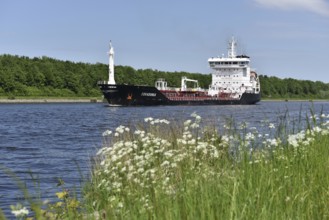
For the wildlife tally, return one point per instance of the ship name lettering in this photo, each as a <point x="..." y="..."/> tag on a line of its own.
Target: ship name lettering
<point x="148" y="94"/>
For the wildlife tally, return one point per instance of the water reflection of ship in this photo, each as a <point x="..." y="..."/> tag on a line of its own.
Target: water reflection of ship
<point x="233" y="82"/>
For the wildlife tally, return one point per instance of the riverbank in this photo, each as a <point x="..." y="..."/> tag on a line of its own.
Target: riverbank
<point x="97" y="100"/>
<point x="294" y="100"/>
<point x="49" y="100"/>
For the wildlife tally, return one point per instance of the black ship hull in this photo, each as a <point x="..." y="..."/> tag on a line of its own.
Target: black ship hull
<point x="130" y="95"/>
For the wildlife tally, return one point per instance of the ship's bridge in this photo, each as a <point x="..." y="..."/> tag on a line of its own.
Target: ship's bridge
<point x="220" y="62"/>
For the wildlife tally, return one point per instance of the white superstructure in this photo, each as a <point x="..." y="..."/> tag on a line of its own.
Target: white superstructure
<point x="232" y="75"/>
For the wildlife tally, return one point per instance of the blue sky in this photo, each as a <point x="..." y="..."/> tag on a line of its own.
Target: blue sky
<point x="284" y="38"/>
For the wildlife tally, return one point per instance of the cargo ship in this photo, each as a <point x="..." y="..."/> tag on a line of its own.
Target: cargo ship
<point x="233" y="83"/>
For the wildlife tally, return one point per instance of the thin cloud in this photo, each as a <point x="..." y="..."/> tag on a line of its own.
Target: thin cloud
<point x="316" y="6"/>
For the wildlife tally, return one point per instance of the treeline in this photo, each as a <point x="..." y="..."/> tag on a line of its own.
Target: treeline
<point x="273" y="87"/>
<point x="23" y="76"/>
<point x="44" y="76"/>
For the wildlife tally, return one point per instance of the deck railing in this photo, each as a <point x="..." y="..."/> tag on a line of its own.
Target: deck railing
<point x="102" y="82"/>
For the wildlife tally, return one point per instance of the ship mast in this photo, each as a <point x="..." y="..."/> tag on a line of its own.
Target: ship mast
<point x="231" y="48"/>
<point x="111" y="65"/>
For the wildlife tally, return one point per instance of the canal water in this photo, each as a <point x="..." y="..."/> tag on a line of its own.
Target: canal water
<point x="40" y="143"/>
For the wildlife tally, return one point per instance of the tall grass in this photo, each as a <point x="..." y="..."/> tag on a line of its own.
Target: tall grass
<point x="194" y="172"/>
<point x="164" y="170"/>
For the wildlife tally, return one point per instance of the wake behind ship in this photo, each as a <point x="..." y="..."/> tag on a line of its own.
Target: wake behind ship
<point x="233" y="82"/>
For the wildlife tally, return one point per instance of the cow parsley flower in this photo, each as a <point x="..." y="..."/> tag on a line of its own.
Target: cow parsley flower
<point x="19" y="211"/>
<point x="271" y="125"/>
<point x="149" y="119"/>
<point x="107" y="133"/>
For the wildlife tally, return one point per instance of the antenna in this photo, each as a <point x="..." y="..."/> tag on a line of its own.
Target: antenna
<point x="232" y="48"/>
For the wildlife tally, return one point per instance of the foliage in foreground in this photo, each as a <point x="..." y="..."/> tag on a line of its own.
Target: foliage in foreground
<point x="159" y="170"/>
<point x="194" y="173"/>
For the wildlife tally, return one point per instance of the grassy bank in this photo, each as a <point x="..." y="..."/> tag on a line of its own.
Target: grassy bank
<point x="193" y="172"/>
<point x="162" y="170"/>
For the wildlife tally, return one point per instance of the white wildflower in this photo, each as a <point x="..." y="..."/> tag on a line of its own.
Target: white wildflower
<point x="156" y="121"/>
<point x="165" y="163"/>
<point x="273" y="142"/>
<point x="102" y="163"/>
<point x="215" y="153"/>
<point x="100" y="151"/>
<point x="191" y="142"/>
<point x="195" y="125"/>
<point x="128" y="144"/>
<point x="187" y="123"/>
<point x="164" y="121"/>
<point x="314" y="117"/>
<point x="324" y="132"/>
<point x="107" y="133"/>
<point x="244" y="125"/>
<point x="292" y="141"/>
<point x="148" y="119"/>
<point x="124" y="169"/>
<point x="317" y="129"/>
<point x="120" y="129"/>
<point x="225" y="139"/>
<point x="21" y="212"/>
<point x="120" y="205"/>
<point x="168" y="154"/>
<point x="140" y="170"/>
<point x="137" y="132"/>
<point x="250" y="136"/>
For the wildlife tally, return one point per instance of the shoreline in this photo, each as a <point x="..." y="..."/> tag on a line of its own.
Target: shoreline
<point x="294" y="100"/>
<point x="95" y="100"/>
<point x="48" y="100"/>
